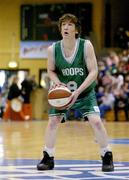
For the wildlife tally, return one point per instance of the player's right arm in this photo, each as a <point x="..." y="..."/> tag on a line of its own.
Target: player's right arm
<point x="51" y="67"/>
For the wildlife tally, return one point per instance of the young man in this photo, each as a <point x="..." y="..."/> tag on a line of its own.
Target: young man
<point x="72" y="62"/>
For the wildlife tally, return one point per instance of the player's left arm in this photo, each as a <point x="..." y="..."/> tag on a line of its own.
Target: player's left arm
<point x="92" y="66"/>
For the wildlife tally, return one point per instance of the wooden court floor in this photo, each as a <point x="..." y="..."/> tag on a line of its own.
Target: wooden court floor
<point x="75" y="141"/>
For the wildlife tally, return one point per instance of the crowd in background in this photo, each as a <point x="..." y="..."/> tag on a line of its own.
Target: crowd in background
<point x="113" y="83"/>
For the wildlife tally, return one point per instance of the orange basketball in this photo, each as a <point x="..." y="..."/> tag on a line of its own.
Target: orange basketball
<point x="59" y="97"/>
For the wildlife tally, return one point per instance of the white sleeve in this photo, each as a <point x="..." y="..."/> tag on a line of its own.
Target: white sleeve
<point x="53" y="52"/>
<point x="85" y="48"/>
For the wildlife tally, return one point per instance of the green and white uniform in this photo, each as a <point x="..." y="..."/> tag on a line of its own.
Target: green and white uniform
<point x="73" y="73"/>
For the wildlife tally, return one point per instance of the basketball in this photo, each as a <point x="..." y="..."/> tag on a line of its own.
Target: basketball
<point x="59" y="97"/>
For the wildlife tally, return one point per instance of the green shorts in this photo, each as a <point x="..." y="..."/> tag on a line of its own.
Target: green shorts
<point x="86" y="105"/>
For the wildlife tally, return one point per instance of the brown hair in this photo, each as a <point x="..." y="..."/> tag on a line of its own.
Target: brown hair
<point x="72" y="18"/>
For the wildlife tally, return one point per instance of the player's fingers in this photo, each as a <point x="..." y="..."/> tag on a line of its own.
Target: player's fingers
<point x="71" y="102"/>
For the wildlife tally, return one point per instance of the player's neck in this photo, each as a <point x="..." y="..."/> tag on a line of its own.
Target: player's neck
<point x="69" y="44"/>
<point x="69" y="47"/>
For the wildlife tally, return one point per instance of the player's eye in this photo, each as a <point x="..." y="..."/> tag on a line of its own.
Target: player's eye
<point x="63" y="24"/>
<point x="70" y="24"/>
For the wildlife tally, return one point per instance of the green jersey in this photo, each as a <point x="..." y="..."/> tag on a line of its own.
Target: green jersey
<point x="72" y="73"/>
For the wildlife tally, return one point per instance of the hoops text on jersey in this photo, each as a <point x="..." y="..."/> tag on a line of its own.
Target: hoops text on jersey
<point x="72" y="71"/>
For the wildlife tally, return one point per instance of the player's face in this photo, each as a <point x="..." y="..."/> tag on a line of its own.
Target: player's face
<point x="68" y="29"/>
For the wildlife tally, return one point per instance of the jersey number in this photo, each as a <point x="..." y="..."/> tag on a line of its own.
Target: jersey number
<point x="72" y="85"/>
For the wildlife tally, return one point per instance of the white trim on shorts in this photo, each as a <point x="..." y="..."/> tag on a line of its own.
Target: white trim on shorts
<point x="57" y="114"/>
<point x="90" y="113"/>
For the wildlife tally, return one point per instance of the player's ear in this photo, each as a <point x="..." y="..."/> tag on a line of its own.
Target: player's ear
<point x="76" y="32"/>
<point x="78" y="28"/>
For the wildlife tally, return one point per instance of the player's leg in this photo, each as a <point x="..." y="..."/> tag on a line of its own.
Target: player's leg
<point x="102" y="139"/>
<point x="89" y="108"/>
<point x="47" y="162"/>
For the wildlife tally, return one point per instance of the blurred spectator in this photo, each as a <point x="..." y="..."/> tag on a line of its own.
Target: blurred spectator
<point x="26" y="88"/>
<point x="107" y="79"/>
<point x="114" y="58"/>
<point x="126" y="88"/>
<point x="125" y="56"/>
<point x="14" y="92"/>
<point x="123" y="68"/>
<point x="2" y="104"/>
<point x="102" y="68"/>
<point x="100" y="94"/>
<point x="121" y="103"/>
<point x="107" y="102"/>
<point x="33" y="82"/>
<point x="127" y="78"/>
<point x="113" y="75"/>
<point x="117" y="81"/>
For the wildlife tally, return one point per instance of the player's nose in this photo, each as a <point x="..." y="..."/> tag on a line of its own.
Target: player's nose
<point x="66" y="26"/>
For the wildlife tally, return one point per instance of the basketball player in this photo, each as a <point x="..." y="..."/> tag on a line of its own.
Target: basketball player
<point x="72" y="61"/>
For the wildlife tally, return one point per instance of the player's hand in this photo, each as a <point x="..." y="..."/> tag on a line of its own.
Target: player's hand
<point x="74" y="97"/>
<point x="57" y="85"/>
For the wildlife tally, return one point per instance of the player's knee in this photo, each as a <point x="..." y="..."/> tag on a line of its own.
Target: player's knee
<point x="53" y="124"/>
<point x="97" y="124"/>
